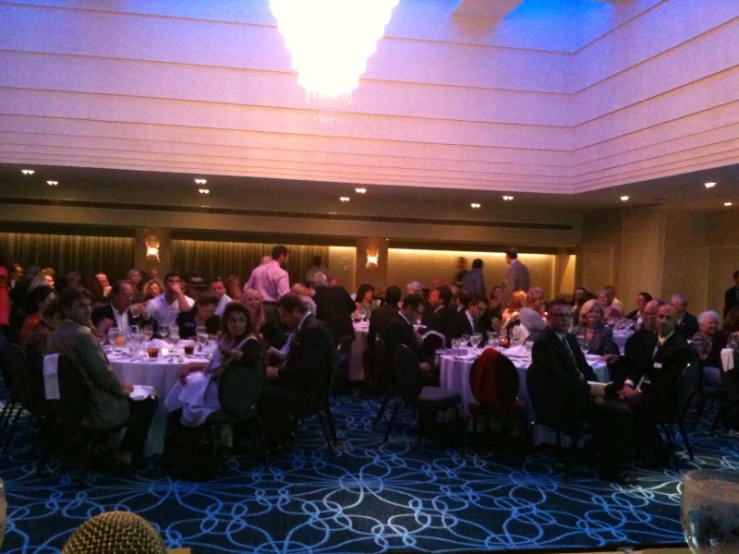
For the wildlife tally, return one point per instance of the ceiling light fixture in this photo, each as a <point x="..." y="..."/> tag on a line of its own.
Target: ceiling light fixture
<point x="204" y="191"/>
<point x="200" y="181"/>
<point x="508" y="198"/>
<point x="360" y="190"/>
<point x="624" y="198"/>
<point x="709" y="185"/>
<point x="330" y="42"/>
<point x="28" y="171"/>
<point x="727" y="204"/>
<point x="344" y="198"/>
<point x="475" y="205"/>
<point x="52" y="183"/>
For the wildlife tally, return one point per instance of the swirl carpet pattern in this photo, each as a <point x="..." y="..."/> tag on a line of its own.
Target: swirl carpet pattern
<point x="371" y="497"/>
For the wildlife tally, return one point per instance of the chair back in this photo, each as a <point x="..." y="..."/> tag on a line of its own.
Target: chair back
<point x="338" y="362"/>
<point x="407" y="371"/>
<point x="687" y="384"/>
<point x="383" y="365"/>
<point x="240" y="388"/>
<point x="494" y="379"/>
<point x="432" y="341"/>
<point x="5" y="370"/>
<point x="74" y="402"/>
<point x="17" y="368"/>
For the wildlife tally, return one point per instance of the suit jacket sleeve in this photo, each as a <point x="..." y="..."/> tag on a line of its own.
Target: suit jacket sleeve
<point x="96" y="367"/>
<point x="543" y="354"/>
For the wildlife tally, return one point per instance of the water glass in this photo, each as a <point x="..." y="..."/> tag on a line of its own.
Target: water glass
<point x="465" y="340"/>
<point x="493" y="340"/>
<point x="148" y="333"/>
<point x="164" y="331"/>
<point x="475" y="340"/>
<point x="113" y="334"/>
<point x="710" y="511"/>
<point x="202" y="340"/>
<point x="455" y="344"/>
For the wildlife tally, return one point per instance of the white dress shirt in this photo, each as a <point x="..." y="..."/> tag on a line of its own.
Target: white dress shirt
<point x="225" y="299"/>
<point x="163" y="313"/>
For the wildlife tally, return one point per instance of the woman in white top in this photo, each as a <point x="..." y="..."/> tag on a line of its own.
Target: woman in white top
<point x="196" y="393"/>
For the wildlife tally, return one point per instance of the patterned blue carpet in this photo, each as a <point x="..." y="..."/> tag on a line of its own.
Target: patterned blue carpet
<point x="370" y="498"/>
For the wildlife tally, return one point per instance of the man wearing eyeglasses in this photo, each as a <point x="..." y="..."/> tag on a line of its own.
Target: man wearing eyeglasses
<point x="565" y="394"/>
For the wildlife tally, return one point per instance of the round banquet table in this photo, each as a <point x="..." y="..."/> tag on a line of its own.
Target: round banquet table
<point x="161" y="374"/>
<point x="356" y="360"/>
<point x="455" y="375"/>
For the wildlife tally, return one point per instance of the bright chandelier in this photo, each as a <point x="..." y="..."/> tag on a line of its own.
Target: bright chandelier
<point x="330" y="42"/>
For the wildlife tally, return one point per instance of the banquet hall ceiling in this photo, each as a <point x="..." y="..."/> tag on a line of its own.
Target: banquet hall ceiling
<point x="552" y="96"/>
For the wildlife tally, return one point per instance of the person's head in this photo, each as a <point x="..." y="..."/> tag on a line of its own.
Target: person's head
<point x="594" y="316"/>
<point x="680" y="303"/>
<point x="217" y="287"/>
<point x="535" y="298"/>
<point x="237" y="321"/>
<point x="708" y="323"/>
<point x="292" y="310"/>
<point x="365" y="292"/>
<point x="731" y="321"/>
<point x="510" y="255"/>
<point x="603" y="298"/>
<point x="152" y="288"/>
<point x="517" y="301"/>
<point x="49" y="274"/>
<point x="413" y="306"/>
<point x="582" y="314"/>
<point x="318" y="279"/>
<point x="300" y="289"/>
<point x="462" y="297"/>
<point x="578" y="296"/>
<point x="477" y="305"/>
<point x="122" y="295"/>
<point x="666" y="319"/>
<point x="252" y="301"/>
<point x="414" y="287"/>
<point x="103" y="280"/>
<point x="477" y="263"/>
<point x="496" y="293"/>
<point x="436" y="283"/>
<point x="77" y="305"/>
<point x="611" y="291"/>
<point x="233" y="285"/>
<point x="172" y="283"/>
<point x="38" y="299"/>
<point x="53" y="313"/>
<point x="332" y="281"/>
<point x="16" y="271"/>
<point x="559" y="315"/>
<point x="134" y="277"/>
<point x="32" y="271"/>
<point x="641" y="300"/>
<point x="317" y="260"/>
<point x="393" y="294"/>
<point x="205" y="306"/>
<point x="154" y="274"/>
<point x="440" y="296"/>
<point x="461" y="263"/>
<point x="72" y="279"/>
<point x="649" y="319"/>
<point x="281" y="254"/>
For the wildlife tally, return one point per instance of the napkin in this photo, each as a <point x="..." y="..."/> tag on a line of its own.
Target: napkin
<point x="141" y="392"/>
<point x="51" y="379"/>
<point x="517" y="352"/>
<point x="727" y="358"/>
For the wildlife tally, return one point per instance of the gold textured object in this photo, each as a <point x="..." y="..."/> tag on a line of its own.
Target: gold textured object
<point x="115" y="533"/>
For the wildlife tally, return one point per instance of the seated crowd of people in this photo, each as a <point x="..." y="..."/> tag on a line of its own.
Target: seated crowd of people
<point x="293" y="332"/>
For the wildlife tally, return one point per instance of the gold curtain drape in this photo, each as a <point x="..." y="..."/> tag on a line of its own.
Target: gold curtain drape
<point x="215" y="258"/>
<point x="86" y="254"/>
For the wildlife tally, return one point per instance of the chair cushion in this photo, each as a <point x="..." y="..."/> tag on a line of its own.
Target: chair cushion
<point x="514" y="409"/>
<point x="436" y="397"/>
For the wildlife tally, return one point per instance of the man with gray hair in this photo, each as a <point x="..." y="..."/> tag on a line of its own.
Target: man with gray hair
<point x="687" y="323"/>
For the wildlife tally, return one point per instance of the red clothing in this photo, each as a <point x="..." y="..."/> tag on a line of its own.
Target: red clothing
<point x="28" y="324"/>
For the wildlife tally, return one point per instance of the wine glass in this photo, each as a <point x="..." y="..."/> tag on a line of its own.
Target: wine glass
<point x="113" y="337"/>
<point x="164" y="331"/>
<point x="493" y="340"/>
<point x="475" y="339"/>
<point x="464" y="341"/>
<point x="710" y="511"/>
<point x="455" y="344"/>
<point x="202" y="339"/>
<point x="174" y="339"/>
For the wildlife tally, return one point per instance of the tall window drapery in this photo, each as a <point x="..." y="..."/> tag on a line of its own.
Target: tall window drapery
<point x="215" y="258"/>
<point x="86" y="254"/>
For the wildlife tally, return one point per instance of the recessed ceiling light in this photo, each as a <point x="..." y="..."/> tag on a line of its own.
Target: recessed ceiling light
<point x="204" y="191"/>
<point x="709" y="185"/>
<point x="52" y="183"/>
<point x="728" y="204"/>
<point x="28" y="171"/>
<point x="200" y="181"/>
<point x="624" y="198"/>
<point x="344" y="198"/>
<point x="508" y="198"/>
<point x="360" y="190"/>
<point x="475" y="205"/>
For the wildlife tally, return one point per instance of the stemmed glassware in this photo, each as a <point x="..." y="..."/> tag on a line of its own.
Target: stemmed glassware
<point x="174" y="339"/>
<point x="475" y="340"/>
<point x="148" y="333"/>
<point x="202" y="335"/>
<point x="493" y="340"/>
<point x="113" y="337"/>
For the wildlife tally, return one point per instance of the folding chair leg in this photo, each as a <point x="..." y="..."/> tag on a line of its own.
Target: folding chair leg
<point x="11" y="431"/>
<point x="686" y="441"/>
<point x="392" y="419"/>
<point x="324" y="426"/>
<point x="716" y="420"/>
<point x="380" y="411"/>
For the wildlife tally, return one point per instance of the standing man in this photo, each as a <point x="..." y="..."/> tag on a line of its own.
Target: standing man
<point x="218" y="288"/>
<point x="272" y="281"/>
<point x="165" y="307"/>
<point x="473" y="280"/>
<point x="731" y="298"/>
<point x="517" y="277"/>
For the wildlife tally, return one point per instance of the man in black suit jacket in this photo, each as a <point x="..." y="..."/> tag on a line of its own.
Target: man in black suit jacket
<point x="731" y="297"/>
<point x="638" y="345"/>
<point x="118" y="312"/>
<point x="334" y="307"/>
<point x="381" y="317"/>
<point x="557" y="383"/>
<point x="296" y="386"/>
<point x="687" y="323"/>
<point x="441" y="312"/>
<point x="469" y="320"/>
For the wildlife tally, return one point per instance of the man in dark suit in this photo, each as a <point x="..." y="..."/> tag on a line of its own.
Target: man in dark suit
<point x="637" y="346"/>
<point x="441" y="312"/>
<point x="110" y="405"/>
<point x="380" y="318"/>
<point x="731" y="297"/>
<point x="118" y="312"/>
<point x="334" y="307"/>
<point x="296" y="386"/>
<point x="557" y="383"/>
<point x="687" y="323"/>
<point x="517" y="276"/>
<point x="469" y="320"/>
<point x="474" y="280"/>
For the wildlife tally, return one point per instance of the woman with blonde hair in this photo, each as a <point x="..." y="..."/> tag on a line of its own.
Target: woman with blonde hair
<point x="252" y="299"/>
<point x="152" y="289"/>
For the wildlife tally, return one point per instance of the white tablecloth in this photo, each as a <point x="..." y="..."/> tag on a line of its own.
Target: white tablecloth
<point x="455" y="376"/>
<point x="356" y="366"/>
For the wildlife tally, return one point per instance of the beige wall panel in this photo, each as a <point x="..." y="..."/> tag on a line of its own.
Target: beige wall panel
<point x="642" y="253"/>
<point x="685" y="269"/>
<point x="342" y="265"/>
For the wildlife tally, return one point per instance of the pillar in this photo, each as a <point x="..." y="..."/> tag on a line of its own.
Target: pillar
<point x="372" y="258"/>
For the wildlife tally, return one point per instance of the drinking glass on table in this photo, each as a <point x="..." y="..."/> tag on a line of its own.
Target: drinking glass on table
<point x="174" y="339"/>
<point x="455" y="344"/>
<point x="202" y="335"/>
<point x="493" y="340"/>
<point x="475" y="339"/>
<point x="464" y="341"/>
<point x="164" y="331"/>
<point x="135" y="310"/>
<point x="113" y="337"/>
<point x="132" y="330"/>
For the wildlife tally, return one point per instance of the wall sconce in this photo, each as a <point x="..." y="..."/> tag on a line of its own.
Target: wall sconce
<point x="373" y="260"/>
<point x="152" y="250"/>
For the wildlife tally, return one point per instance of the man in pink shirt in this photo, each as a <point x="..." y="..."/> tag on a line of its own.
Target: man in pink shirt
<point x="271" y="280"/>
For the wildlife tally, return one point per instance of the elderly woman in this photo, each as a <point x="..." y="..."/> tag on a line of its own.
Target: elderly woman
<point x="595" y="336"/>
<point x="196" y="393"/>
<point x="708" y="324"/>
<point x="638" y="315"/>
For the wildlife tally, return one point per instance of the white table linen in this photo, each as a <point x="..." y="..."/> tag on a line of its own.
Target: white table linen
<point x="356" y="365"/>
<point x="727" y="358"/>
